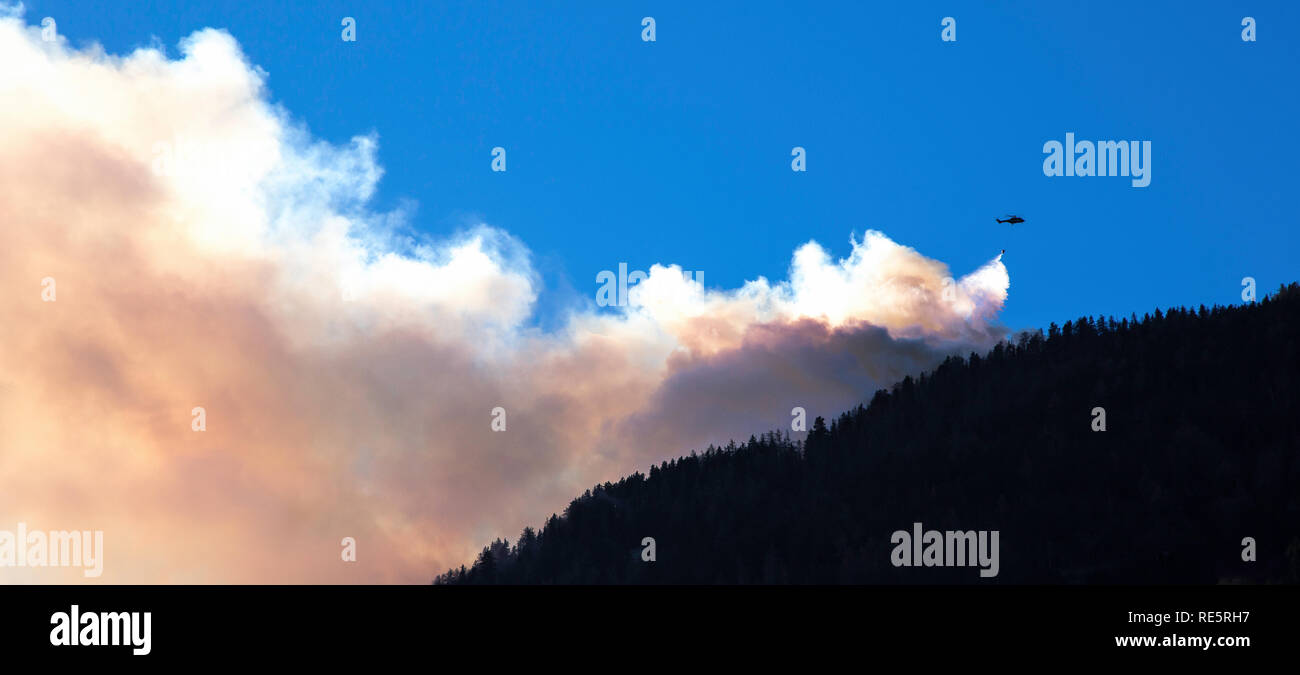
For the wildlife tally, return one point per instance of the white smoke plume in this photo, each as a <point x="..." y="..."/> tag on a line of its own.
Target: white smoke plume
<point x="204" y="250"/>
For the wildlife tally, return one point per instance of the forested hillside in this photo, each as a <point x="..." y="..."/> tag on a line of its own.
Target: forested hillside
<point x="1201" y="449"/>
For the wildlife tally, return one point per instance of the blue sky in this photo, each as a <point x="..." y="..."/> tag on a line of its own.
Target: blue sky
<point x="678" y="151"/>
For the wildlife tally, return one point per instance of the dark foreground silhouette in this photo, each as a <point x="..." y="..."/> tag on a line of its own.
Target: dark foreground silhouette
<point x="1201" y="450"/>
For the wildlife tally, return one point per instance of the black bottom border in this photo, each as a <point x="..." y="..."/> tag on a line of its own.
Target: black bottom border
<point x="251" y="624"/>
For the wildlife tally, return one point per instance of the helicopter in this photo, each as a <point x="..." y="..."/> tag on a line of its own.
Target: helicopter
<point x="1011" y="220"/>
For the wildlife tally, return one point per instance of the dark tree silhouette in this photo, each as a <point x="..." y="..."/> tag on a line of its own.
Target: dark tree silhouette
<point x="1199" y="452"/>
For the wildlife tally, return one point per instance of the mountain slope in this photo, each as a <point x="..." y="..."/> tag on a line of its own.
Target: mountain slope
<point x="1200" y="451"/>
